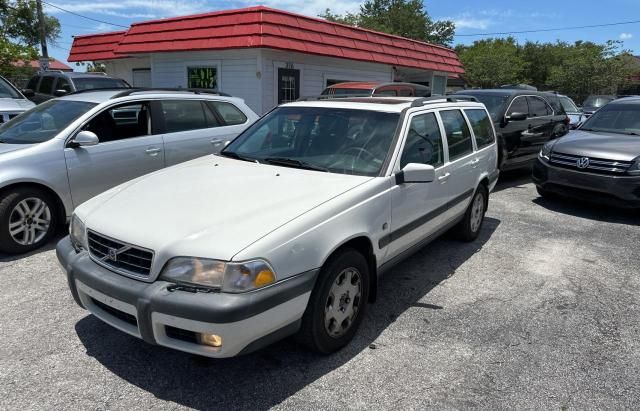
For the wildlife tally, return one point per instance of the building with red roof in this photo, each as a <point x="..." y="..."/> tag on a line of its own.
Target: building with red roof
<point x="263" y="55"/>
<point x="35" y="65"/>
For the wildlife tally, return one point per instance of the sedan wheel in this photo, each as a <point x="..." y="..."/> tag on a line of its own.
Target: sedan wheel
<point x="343" y="302"/>
<point x="29" y="221"/>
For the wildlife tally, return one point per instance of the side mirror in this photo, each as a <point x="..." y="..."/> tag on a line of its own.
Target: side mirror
<point x="60" y="93"/>
<point x="517" y="116"/>
<point x="84" y="139"/>
<point x="28" y="92"/>
<point x="416" y="173"/>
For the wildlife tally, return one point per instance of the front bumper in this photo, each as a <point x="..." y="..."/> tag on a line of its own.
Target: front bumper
<point x="173" y="319"/>
<point x="620" y="191"/>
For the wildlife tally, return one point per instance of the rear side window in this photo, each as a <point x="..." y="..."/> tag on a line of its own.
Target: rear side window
<point x="538" y="107"/>
<point x="481" y="125"/>
<point x="63" y="84"/>
<point x="33" y="83"/>
<point x="229" y="113"/>
<point x="424" y="142"/>
<point x="46" y="85"/>
<point x="183" y="115"/>
<point x="458" y="134"/>
<point x="519" y="105"/>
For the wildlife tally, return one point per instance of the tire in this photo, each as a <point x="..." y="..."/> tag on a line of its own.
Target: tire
<point x="502" y="153"/>
<point x="544" y="193"/>
<point x="321" y="330"/>
<point x="471" y="224"/>
<point x="31" y="210"/>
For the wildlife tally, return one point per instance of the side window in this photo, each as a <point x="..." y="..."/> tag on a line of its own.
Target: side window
<point x="424" y="142"/>
<point x="538" y="107"/>
<point x="519" y="105"/>
<point x="122" y="122"/>
<point x="33" y="83"/>
<point x="63" y="84"/>
<point x="46" y="85"/>
<point x="229" y="113"/>
<point x="212" y="119"/>
<point x="481" y="125"/>
<point x="183" y="115"/>
<point x="458" y="134"/>
<point x="385" y="92"/>
<point x="405" y="92"/>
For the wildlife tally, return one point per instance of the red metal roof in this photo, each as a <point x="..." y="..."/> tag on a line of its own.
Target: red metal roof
<point x="35" y="64"/>
<point x="264" y="27"/>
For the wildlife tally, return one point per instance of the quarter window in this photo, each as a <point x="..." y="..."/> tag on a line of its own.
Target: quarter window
<point x="229" y="113"/>
<point x="424" y="142"/>
<point x="519" y="105"/>
<point x="481" y="125"/>
<point x="183" y="115"/>
<point x="458" y="134"/>
<point x="538" y="107"/>
<point x="46" y="85"/>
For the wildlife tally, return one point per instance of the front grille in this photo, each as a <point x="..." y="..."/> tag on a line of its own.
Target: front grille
<point x="121" y="315"/>
<point x="596" y="165"/>
<point x="181" y="334"/>
<point x="129" y="259"/>
<point x="4" y="117"/>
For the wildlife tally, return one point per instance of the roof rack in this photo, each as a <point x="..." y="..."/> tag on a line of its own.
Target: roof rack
<point x="50" y="71"/>
<point x="128" y="92"/>
<point x="419" y="102"/>
<point x="89" y="90"/>
<point x="333" y="97"/>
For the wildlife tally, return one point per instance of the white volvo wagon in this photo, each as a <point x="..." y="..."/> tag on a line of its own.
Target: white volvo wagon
<point x="288" y="229"/>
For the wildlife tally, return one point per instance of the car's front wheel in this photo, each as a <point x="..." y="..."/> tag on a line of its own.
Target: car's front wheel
<point x="27" y="220"/>
<point x="337" y="304"/>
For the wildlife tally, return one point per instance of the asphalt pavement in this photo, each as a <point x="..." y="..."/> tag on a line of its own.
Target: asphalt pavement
<point x="542" y="311"/>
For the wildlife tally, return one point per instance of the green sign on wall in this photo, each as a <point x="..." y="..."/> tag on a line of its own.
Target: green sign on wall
<point x="202" y="77"/>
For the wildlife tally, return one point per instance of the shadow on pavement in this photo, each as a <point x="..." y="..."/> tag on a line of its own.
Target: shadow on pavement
<point x="513" y="179"/>
<point x="266" y="378"/>
<point x="6" y="258"/>
<point x="577" y="208"/>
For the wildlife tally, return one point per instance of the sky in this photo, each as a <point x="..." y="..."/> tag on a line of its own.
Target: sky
<point x="471" y="17"/>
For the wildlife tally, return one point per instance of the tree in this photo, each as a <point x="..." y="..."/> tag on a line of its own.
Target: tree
<point x="492" y="62"/>
<point x="406" y="18"/>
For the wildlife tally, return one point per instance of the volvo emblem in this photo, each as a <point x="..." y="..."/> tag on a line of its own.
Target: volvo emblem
<point x="582" y="162"/>
<point x="113" y="254"/>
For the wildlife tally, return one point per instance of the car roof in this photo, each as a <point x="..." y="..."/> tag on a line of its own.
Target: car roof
<point x="371" y="84"/>
<point x="385" y="104"/>
<point x="74" y="74"/>
<point x="100" y="96"/>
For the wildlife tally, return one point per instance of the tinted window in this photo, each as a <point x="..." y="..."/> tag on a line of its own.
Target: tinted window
<point x="351" y="92"/>
<point x="458" y="134"/>
<point x="482" y="128"/>
<point x="183" y="115"/>
<point x="98" y="82"/>
<point x="385" y="92"/>
<point x="229" y="113"/>
<point x="568" y="105"/>
<point x="121" y="122"/>
<point x="494" y="103"/>
<point x="43" y="122"/>
<point x="63" y="84"/>
<point x="424" y="142"/>
<point x="46" y="85"/>
<point x="519" y="105"/>
<point x="212" y="120"/>
<point x="538" y="107"/>
<point x="7" y="90"/>
<point x="33" y="83"/>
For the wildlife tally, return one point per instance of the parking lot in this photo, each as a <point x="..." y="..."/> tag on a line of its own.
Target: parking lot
<point x="542" y="311"/>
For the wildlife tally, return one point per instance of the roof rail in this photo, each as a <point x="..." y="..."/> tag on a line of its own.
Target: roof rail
<point x="419" y="102"/>
<point x="128" y="92"/>
<point x="89" y="90"/>
<point x="333" y="97"/>
<point x="50" y="71"/>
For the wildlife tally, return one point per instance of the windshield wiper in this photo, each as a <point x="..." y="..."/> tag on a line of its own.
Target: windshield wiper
<point x="237" y="156"/>
<point x="292" y="162"/>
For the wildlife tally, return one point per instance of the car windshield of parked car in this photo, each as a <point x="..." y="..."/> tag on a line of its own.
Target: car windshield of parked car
<point x="7" y="91"/>
<point x="615" y="118"/>
<point x="89" y="83"/>
<point x="42" y="122"/>
<point x="336" y="140"/>
<point x="597" y="101"/>
<point x="494" y="103"/>
<point x="568" y="105"/>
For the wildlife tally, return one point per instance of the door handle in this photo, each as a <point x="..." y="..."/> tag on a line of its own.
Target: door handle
<point x="474" y="163"/>
<point x="443" y="178"/>
<point x="217" y="142"/>
<point x="153" y="151"/>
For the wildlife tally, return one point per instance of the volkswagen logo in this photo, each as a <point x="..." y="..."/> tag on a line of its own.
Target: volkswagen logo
<point x="582" y="162"/>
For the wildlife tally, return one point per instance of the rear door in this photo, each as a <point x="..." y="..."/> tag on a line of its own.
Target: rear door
<point x="127" y="150"/>
<point x="539" y="127"/>
<point x="484" y="137"/>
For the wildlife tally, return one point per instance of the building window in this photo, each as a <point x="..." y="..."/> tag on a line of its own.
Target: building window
<point x="288" y="85"/>
<point x="202" y="77"/>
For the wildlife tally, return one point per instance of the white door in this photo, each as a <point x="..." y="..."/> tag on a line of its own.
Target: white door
<point x="419" y="209"/>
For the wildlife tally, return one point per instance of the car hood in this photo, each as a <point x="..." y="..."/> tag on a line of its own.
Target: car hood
<point x="608" y="146"/>
<point x="15" y="104"/>
<point x="210" y="207"/>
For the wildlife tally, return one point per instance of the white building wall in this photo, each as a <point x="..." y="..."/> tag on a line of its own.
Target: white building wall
<point x="123" y="68"/>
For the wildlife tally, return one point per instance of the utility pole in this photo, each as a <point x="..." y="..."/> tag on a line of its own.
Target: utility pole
<point x="44" y="60"/>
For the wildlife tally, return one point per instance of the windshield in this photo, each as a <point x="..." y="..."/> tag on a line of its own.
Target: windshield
<point x="494" y="103"/>
<point x="568" y="105"/>
<point x="615" y="118"/>
<point x="42" y="122"/>
<point x="328" y="139"/>
<point x="87" y="83"/>
<point x="7" y="91"/>
<point x="597" y="101"/>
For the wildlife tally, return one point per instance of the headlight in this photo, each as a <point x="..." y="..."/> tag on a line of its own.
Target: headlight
<point x="635" y="167"/>
<point x="227" y="276"/>
<point x="546" y="150"/>
<point x="77" y="233"/>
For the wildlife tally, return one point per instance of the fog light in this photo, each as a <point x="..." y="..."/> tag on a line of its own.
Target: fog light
<point x="211" y="340"/>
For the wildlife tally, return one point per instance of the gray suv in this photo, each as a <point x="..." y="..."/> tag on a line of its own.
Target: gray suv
<point x="50" y="84"/>
<point x="12" y="102"/>
<point x="65" y="151"/>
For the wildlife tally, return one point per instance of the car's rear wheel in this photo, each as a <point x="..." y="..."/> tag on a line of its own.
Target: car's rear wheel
<point x="28" y="219"/>
<point x="469" y="228"/>
<point x="337" y="304"/>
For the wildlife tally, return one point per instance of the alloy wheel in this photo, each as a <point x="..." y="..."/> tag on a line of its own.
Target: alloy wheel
<point x="477" y="212"/>
<point x="29" y="221"/>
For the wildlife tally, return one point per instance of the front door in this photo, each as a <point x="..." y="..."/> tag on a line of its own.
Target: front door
<point x="288" y="85"/>
<point x="127" y="150"/>
<point x="419" y="209"/>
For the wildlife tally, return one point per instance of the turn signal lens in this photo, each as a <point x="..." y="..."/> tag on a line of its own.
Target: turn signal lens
<point x="264" y="277"/>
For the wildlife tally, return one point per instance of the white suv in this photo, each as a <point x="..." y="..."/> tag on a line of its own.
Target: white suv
<point x="288" y="229"/>
<point x="67" y="150"/>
